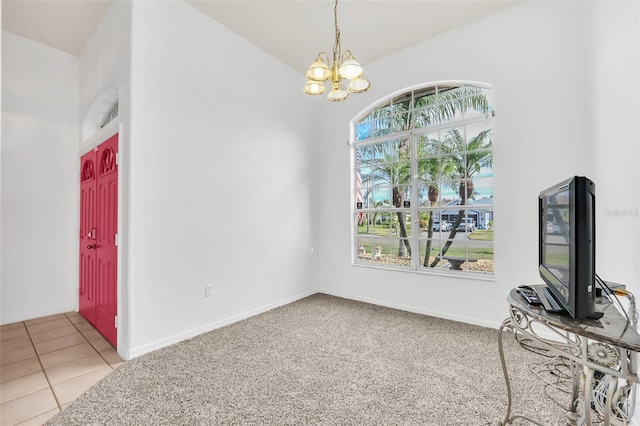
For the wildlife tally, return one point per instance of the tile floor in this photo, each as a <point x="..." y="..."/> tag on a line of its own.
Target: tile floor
<point x="46" y="363"/>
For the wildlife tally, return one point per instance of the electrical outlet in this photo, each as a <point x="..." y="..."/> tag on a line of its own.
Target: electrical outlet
<point x="208" y="290"/>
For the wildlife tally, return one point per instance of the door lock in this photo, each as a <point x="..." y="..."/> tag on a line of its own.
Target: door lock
<point x="92" y="246"/>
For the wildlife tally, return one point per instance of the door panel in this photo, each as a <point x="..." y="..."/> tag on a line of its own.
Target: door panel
<point x="107" y="253"/>
<point x="87" y="237"/>
<point x="98" y="233"/>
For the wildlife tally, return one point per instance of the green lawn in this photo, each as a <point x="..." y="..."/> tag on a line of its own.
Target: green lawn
<point x="482" y="235"/>
<point x="477" y="253"/>
<point x="480" y="253"/>
<point x="381" y="231"/>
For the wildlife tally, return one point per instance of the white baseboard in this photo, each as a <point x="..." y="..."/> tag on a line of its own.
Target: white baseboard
<point x="413" y="309"/>
<point x="170" y="340"/>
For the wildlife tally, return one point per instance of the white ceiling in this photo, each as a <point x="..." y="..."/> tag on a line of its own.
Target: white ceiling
<point x="293" y="31"/>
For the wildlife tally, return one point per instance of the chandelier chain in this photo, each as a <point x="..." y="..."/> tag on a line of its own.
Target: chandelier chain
<point x="336" y="46"/>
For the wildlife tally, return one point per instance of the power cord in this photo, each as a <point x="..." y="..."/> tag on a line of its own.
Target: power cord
<point x="554" y="372"/>
<point x="614" y="297"/>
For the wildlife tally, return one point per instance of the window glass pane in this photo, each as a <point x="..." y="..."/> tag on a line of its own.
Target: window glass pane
<point x="476" y="103"/>
<point x="453" y="166"/>
<point x="456" y="256"/>
<point x="478" y="136"/>
<point x="399" y="255"/>
<point x="450" y="193"/>
<point x="481" y="251"/>
<point x="364" y="170"/>
<point x="450" y="104"/>
<point x="453" y="140"/>
<point x="382" y="126"/>
<point x="428" y="145"/>
<point x="423" y="195"/>
<point x="363" y="129"/>
<point x="465" y="190"/>
<point x="390" y="229"/>
<point x="435" y="247"/>
<point x="381" y="196"/>
<point x="365" y="250"/>
<point x="484" y="168"/>
<point x="430" y="194"/>
<point x="384" y="111"/>
<point x="400" y="121"/>
<point x="483" y="191"/>
<point x="440" y="224"/>
<point x="363" y="155"/>
<point x="404" y="149"/>
<point x="381" y="252"/>
<point x="429" y="169"/>
<point x="402" y="195"/>
<point x="399" y="173"/>
<point x="388" y="151"/>
<point x="381" y="220"/>
<point x="400" y="113"/>
<point x="362" y="226"/>
<point x="424" y="222"/>
<point x="426" y="110"/>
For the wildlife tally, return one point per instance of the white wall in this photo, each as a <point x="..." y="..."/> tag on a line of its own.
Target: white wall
<point x="219" y="177"/>
<point x="614" y="70"/>
<point x="38" y="272"/>
<point x="539" y="57"/>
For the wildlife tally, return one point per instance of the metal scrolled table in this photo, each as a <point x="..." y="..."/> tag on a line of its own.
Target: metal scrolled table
<point x="609" y="346"/>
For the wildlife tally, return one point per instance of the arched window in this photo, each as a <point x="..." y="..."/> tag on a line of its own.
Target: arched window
<point x="110" y="116"/>
<point x="102" y="111"/>
<point x="422" y="187"/>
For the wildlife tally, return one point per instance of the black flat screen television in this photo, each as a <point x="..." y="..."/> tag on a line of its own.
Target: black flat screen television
<point x="567" y="246"/>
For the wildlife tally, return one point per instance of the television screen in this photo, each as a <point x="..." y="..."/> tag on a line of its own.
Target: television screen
<point x="567" y="245"/>
<point x="556" y="239"/>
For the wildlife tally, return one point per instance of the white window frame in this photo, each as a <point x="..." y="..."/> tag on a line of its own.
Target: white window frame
<point x="414" y="209"/>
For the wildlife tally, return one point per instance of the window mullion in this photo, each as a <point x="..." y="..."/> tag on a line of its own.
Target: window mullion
<point x="415" y="216"/>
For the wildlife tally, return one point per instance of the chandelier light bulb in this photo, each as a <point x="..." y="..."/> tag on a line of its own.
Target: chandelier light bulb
<point x="319" y="70"/>
<point x="314" y="87"/>
<point x="350" y="68"/>
<point x="338" y="94"/>
<point x="359" y="85"/>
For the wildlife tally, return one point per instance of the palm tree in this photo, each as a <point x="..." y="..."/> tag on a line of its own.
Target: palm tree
<point x="391" y="118"/>
<point x="469" y="160"/>
<point x="429" y="170"/>
<point x="435" y="108"/>
<point x="387" y="171"/>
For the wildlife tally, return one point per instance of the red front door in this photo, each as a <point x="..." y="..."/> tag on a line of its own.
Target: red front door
<point x="98" y="244"/>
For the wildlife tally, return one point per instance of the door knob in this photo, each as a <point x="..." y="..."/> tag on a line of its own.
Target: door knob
<point x="91" y="246"/>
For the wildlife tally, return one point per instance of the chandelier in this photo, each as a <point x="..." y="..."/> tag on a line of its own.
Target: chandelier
<point x="344" y="67"/>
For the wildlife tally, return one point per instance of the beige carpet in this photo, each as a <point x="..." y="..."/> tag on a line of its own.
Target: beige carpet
<point x="322" y="360"/>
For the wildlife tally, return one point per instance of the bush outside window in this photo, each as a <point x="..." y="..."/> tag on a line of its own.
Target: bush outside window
<point x="422" y="188"/>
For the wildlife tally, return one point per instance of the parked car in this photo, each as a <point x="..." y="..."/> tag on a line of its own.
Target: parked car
<point x="552" y="228"/>
<point x="442" y="226"/>
<point x="467" y="224"/>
